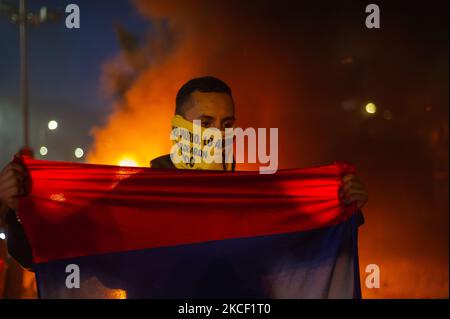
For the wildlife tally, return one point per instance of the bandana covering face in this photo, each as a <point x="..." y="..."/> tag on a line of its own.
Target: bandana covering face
<point x="196" y="147"/>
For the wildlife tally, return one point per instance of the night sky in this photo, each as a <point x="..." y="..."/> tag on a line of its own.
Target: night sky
<point x="64" y="75"/>
<point x="306" y="67"/>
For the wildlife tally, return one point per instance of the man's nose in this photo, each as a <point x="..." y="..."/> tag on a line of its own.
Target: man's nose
<point x="217" y="125"/>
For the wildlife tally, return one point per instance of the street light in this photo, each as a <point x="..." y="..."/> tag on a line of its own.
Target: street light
<point x="79" y="152"/>
<point x="52" y="125"/>
<point x="43" y="151"/>
<point x="371" y="108"/>
<point x="22" y="17"/>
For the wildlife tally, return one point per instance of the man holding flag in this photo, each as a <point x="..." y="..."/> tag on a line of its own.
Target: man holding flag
<point x="209" y="100"/>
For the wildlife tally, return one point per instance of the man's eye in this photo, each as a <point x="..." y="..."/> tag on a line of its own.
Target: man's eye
<point x="206" y="124"/>
<point x="228" y="124"/>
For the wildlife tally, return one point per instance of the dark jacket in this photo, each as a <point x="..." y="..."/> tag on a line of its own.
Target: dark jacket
<point x="162" y="162"/>
<point x="18" y="246"/>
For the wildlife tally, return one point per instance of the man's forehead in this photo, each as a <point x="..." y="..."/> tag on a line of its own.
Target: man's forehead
<point x="215" y="104"/>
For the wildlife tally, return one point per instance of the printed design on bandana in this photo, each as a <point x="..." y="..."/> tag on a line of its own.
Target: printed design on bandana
<point x="196" y="147"/>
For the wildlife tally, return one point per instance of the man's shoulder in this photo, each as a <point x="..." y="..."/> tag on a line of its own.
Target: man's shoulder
<point x="162" y="162"/>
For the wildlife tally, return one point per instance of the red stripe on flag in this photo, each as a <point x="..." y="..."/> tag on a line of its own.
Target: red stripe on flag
<point x="81" y="209"/>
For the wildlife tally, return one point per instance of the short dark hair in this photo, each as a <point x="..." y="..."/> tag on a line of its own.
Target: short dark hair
<point x="203" y="84"/>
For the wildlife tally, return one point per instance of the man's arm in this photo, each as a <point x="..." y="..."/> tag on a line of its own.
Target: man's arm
<point x="18" y="246"/>
<point x="13" y="181"/>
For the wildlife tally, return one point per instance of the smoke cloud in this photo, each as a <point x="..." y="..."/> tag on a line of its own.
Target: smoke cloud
<point x="308" y="69"/>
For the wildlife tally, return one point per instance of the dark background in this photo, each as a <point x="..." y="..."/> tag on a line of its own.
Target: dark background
<point x="306" y="67"/>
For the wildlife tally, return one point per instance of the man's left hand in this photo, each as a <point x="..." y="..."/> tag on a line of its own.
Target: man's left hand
<point x="353" y="190"/>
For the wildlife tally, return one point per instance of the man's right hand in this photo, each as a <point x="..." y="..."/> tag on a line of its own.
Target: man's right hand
<point x="13" y="179"/>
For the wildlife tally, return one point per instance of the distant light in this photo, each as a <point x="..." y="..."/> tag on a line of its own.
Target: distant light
<point x="387" y="115"/>
<point x="128" y="162"/>
<point x="347" y="60"/>
<point x="79" y="152"/>
<point x="2" y="236"/>
<point x="43" y="151"/>
<point x="349" y="105"/>
<point x="371" y="108"/>
<point x="52" y="125"/>
<point x="43" y="14"/>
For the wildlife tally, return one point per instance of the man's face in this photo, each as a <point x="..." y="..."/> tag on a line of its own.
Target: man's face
<point x="213" y="109"/>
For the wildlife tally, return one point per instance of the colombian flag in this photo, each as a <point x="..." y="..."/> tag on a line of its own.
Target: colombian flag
<point x="146" y="233"/>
